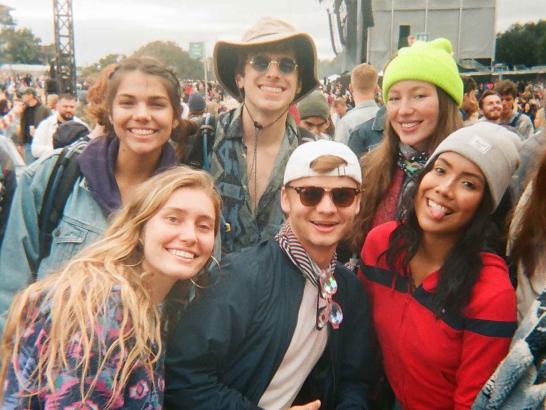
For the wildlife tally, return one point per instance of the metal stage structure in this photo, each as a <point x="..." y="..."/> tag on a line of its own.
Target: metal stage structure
<point x="64" y="66"/>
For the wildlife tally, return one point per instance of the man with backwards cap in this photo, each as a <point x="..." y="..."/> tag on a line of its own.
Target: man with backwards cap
<point x="272" y="67"/>
<point x="285" y="325"/>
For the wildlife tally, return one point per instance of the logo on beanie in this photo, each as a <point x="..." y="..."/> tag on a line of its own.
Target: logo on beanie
<point x="480" y="144"/>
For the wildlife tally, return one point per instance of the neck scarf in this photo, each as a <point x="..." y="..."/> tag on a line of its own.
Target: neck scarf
<point x="290" y="244"/>
<point x="411" y="161"/>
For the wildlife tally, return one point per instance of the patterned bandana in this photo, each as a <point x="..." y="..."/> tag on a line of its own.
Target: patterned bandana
<point x="297" y="254"/>
<point x="411" y="161"/>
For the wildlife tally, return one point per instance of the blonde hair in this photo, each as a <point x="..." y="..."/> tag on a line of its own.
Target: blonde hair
<point x="364" y="78"/>
<point x="78" y="296"/>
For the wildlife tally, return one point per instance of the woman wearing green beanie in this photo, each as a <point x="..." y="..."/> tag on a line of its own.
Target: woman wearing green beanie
<point x="422" y="90"/>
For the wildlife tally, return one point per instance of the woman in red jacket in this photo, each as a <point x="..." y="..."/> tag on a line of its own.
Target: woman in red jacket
<point x="443" y="307"/>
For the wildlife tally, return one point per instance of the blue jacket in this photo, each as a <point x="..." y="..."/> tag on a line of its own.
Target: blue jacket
<point x="368" y="135"/>
<point x="231" y="340"/>
<point x="83" y="222"/>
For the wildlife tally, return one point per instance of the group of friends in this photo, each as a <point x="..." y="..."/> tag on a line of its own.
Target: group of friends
<point x="166" y="286"/>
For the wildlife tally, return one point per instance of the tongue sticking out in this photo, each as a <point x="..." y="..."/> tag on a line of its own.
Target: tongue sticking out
<point x="437" y="212"/>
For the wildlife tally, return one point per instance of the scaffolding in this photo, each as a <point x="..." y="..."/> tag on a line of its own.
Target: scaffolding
<point x="65" y="57"/>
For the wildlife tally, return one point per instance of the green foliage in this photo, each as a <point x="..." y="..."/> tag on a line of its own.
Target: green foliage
<point x="21" y="46"/>
<point x="522" y="44"/>
<point x="6" y="20"/>
<point x="94" y="68"/>
<point x="174" y="57"/>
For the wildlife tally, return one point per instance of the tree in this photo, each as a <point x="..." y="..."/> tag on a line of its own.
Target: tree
<point x="21" y="46"/>
<point x="174" y="57"/>
<point x="6" y="20"/>
<point x="521" y="44"/>
<point x="99" y="65"/>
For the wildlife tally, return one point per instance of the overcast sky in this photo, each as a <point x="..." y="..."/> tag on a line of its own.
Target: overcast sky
<point x="122" y="26"/>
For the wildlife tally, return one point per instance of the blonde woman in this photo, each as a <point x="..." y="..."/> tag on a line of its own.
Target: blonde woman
<point x="90" y="335"/>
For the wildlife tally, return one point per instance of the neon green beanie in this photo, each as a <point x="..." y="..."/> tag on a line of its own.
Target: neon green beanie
<point x="431" y="62"/>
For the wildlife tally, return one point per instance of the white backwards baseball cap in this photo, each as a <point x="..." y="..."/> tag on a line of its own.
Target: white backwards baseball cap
<point x="299" y="163"/>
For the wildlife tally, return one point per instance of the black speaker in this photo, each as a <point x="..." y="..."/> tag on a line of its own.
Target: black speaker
<point x="52" y="87"/>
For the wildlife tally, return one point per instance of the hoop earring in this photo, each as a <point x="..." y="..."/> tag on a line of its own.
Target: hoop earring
<point x="204" y="271"/>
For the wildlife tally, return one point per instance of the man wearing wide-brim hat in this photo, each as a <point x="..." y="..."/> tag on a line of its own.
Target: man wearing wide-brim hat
<point x="271" y="68"/>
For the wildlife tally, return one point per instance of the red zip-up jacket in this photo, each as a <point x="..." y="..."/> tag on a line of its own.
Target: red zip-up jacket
<point x="430" y="362"/>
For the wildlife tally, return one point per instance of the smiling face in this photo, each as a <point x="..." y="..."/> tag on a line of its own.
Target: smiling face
<point x="319" y="228"/>
<point x="142" y="114"/>
<point x="449" y="195"/>
<point x="492" y="107"/>
<point x="271" y="91"/>
<point x="179" y="238"/>
<point x="413" y="111"/>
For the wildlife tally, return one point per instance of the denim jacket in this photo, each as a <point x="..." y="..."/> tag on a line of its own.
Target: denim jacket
<point x="82" y="222"/>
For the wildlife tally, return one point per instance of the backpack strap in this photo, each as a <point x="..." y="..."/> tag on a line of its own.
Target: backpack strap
<point x="515" y="120"/>
<point x="59" y="187"/>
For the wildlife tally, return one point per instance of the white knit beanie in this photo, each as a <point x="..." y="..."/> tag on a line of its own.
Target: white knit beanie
<point x="493" y="148"/>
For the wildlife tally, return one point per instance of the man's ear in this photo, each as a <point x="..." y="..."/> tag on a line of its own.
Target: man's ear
<point x="239" y="81"/>
<point x="285" y="203"/>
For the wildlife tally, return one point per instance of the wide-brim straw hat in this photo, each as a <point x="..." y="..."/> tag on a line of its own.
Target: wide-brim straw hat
<point x="267" y="31"/>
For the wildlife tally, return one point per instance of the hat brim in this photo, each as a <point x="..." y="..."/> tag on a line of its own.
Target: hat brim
<point x="226" y="54"/>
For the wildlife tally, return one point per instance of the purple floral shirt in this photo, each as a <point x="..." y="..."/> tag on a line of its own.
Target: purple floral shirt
<point x="142" y="391"/>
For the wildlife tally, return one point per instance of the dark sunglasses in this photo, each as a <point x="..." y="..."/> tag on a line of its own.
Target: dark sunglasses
<point x="261" y="63"/>
<point x="312" y="195"/>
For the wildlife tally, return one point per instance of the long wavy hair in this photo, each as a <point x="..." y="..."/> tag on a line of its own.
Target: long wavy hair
<point x="379" y="165"/>
<point x="77" y="297"/>
<point x="530" y="234"/>
<point x="463" y="264"/>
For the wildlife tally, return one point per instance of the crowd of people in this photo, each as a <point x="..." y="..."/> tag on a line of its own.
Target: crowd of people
<point x="271" y="241"/>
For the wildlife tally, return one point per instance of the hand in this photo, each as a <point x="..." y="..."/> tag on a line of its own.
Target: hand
<point x="18" y="107"/>
<point x="314" y="405"/>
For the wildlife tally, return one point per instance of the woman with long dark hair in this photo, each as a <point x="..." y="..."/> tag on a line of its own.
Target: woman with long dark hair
<point x="442" y="304"/>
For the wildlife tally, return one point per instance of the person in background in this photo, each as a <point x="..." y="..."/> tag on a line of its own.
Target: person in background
<point x="469" y="108"/>
<point x="315" y="115"/>
<point x="33" y="113"/>
<point x="510" y="114"/>
<point x="51" y="101"/>
<point x="91" y="334"/>
<point x="42" y="143"/>
<point x="197" y="106"/>
<point x="443" y="306"/>
<point x="363" y="88"/>
<point x="490" y="105"/>
<point x="286" y="325"/>
<point x="339" y="107"/>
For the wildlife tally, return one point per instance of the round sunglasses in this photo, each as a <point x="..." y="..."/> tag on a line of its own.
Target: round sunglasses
<point x="312" y="195"/>
<point x="261" y="63"/>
